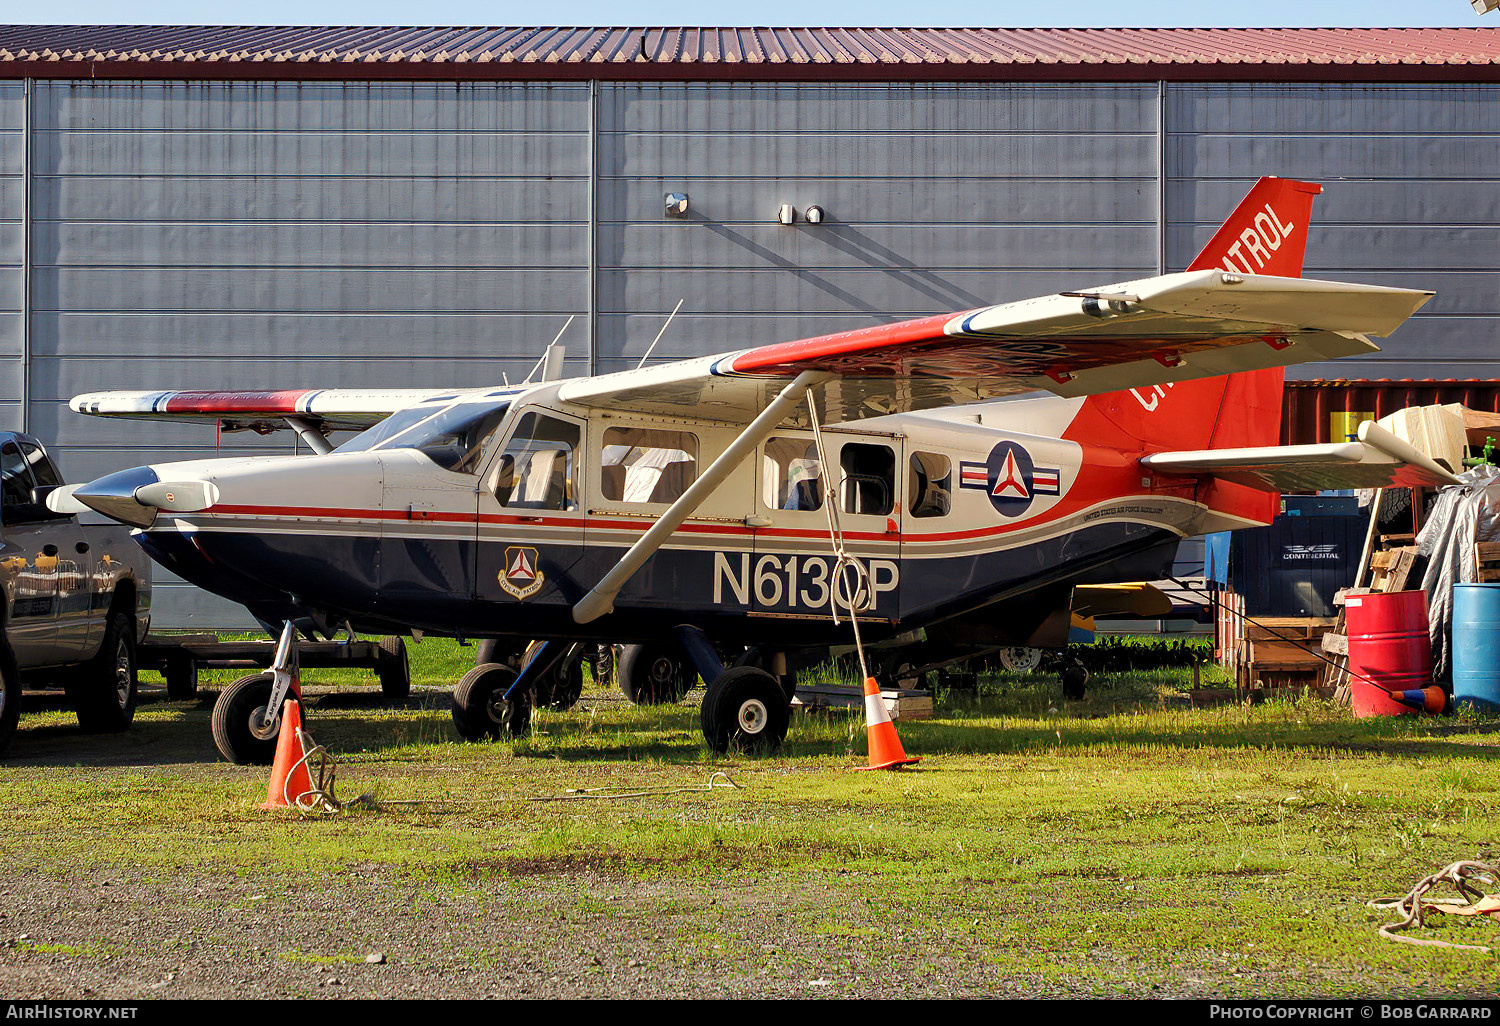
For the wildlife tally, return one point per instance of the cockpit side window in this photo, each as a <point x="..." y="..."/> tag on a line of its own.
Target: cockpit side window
<point x="647" y="465"/>
<point x="791" y="476"/>
<point x="536" y="469"/>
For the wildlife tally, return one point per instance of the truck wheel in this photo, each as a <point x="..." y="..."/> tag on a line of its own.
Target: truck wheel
<point x="10" y="702"/>
<point x="480" y="709"/>
<point x="394" y="670"/>
<point x="103" y="692"/>
<point x="239" y="721"/>
<point x="654" y="674"/>
<point x="182" y="677"/>
<point x="744" y="709"/>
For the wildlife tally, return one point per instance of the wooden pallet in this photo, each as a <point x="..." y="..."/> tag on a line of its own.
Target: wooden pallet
<point x="1487" y="562"/>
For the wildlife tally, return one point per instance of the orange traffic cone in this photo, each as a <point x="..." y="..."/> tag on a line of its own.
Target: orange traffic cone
<point x="885" y="747"/>
<point x="289" y="762"/>
<point x="1432" y="700"/>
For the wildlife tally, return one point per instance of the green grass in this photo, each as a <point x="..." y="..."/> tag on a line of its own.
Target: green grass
<point x="1218" y="850"/>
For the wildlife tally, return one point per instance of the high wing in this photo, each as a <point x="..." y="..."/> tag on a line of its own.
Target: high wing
<point x="332" y="409"/>
<point x="1170" y="328"/>
<point x="1377" y="460"/>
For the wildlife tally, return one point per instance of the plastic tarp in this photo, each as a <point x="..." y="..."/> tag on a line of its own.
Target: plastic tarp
<point x="1463" y="514"/>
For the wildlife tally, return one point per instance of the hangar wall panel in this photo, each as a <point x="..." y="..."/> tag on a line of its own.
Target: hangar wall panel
<point x="280" y="235"/>
<point x="937" y="197"/>
<point x="1412" y="198"/>
<point x="12" y="248"/>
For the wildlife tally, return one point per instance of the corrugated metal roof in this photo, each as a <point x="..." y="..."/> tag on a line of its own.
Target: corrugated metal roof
<point x="768" y="53"/>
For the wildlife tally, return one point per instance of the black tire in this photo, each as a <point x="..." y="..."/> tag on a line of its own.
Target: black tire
<point x="10" y="700"/>
<point x="562" y="685"/>
<point x="655" y="674"/>
<point x="394" y="670"/>
<point x="756" y="657"/>
<point x="237" y="718"/>
<point x="103" y="692"/>
<point x="479" y="708"/>
<point x="182" y="677"/>
<point x="744" y="709"/>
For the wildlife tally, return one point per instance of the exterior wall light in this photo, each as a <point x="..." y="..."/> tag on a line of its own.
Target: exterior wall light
<point x="813" y="214"/>
<point x="676" y="204"/>
<point x="786" y="214"/>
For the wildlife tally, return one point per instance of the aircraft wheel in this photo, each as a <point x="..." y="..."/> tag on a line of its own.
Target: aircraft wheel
<point x="103" y="693"/>
<point x="1075" y="679"/>
<point x="480" y="709"/>
<point x="756" y="657"/>
<point x="241" y="731"/>
<point x="1020" y="658"/>
<point x="655" y="674"/>
<point x="561" y="686"/>
<point x="746" y="710"/>
<point x="394" y="670"/>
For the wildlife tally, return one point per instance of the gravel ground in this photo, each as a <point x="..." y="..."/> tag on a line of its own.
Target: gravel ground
<point x="581" y="935"/>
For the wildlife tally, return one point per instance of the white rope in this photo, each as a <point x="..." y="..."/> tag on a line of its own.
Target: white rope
<point x="1461" y="875"/>
<point x="855" y="595"/>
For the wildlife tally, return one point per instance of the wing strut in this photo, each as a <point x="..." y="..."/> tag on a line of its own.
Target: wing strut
<point x="308" y="431"/>
<point x="601" y="599"/>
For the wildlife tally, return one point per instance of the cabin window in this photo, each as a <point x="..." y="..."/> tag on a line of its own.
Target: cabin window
<point x="646" y="465"/>
<point x="930" y="485"/>
<point x="456" y="437"/>
<point x="791" y="476"/>
<point x="536" y="469"/>
<point x="869" y="479"/>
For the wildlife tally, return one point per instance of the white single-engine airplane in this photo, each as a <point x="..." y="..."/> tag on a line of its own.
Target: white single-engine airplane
<point x="760" y="498"/>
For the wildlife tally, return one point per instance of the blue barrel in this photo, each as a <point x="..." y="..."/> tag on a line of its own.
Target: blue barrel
<point x="1476" y="645"/>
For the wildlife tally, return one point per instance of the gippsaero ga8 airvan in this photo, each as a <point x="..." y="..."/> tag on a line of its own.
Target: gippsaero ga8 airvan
<point x="958" y="475"/>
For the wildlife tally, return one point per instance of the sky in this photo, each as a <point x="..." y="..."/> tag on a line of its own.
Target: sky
<point x="761" y="12"/>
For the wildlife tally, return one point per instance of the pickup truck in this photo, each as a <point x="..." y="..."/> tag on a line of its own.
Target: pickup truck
<point x="77" y="598"/>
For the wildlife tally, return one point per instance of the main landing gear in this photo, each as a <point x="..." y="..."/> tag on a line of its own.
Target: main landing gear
<point x="745" y="708"/>
<point x="493" y="699"/>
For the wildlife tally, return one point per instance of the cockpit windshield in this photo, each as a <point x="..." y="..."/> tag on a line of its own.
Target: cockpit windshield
<point x="454" y="437"/>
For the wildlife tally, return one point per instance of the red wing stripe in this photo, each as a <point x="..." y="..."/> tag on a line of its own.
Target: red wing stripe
<point x="265" y="403"/>
<point x="807" y="352"/>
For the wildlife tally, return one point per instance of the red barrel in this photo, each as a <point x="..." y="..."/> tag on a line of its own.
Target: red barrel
<point x="1388" y="645"/>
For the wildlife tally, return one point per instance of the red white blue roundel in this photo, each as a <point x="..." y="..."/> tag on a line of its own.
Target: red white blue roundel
<point x="1011" y="479"/>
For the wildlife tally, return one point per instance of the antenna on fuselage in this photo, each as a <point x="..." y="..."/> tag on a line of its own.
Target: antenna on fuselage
<point x="659" y="334"/>
<point x="551" y="361"/>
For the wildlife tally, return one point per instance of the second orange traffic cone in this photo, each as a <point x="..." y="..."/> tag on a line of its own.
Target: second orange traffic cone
<point x="885" y="747"/>
<point x="288" y="762"/>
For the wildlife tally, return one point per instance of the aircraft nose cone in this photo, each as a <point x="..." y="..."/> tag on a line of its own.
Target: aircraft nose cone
<point x="114" y="496"/>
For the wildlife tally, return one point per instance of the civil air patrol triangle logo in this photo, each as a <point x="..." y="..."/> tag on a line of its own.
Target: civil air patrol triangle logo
<point x="1010" y="479"/>
<point x="521" y="576"/>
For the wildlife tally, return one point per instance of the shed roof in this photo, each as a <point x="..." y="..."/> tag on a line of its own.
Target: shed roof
<point x="676" y="53"/>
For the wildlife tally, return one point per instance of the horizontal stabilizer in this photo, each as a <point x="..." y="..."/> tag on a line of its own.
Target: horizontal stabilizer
<point x="1377" y="460"/>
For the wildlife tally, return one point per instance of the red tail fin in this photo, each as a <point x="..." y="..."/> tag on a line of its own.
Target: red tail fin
<point x="1266" y="234"/>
